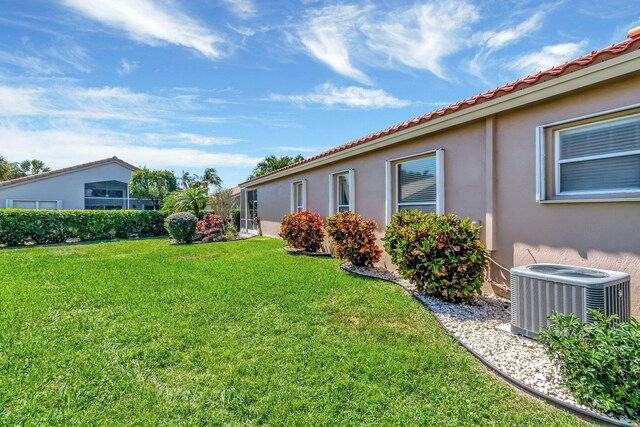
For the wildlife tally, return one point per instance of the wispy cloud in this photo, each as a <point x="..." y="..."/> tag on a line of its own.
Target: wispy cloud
<point x="348" y="37"/>
<point x="30" y="64"/>
<point x="93" y="103"/>
<point x="62" y="55"/>
<point x="73" y="146"/>
<point x="330" y="34"/>
<point x="151" y="22"/>
<point x="184" y="138"/>
<point x="548" y="57"/>
<point x="351" y="96"/>
<point x="243" y="9"/>
<point x="126" y="67"/>
<point x="509" y="35"/>
<point x="70" y="54"/>
<point x="424" y="35"/>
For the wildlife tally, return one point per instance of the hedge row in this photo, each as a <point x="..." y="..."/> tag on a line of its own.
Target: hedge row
<point x="22" y="226"/>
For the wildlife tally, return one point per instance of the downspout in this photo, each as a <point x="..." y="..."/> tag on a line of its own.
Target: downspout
<point x="490" y="183"/>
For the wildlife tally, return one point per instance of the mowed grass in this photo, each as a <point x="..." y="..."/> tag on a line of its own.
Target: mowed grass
<point x="238" y="333"/>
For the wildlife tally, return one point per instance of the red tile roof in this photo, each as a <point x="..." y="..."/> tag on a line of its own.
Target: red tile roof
<point x="585" y="61"/>
<point x="65" y="170"/>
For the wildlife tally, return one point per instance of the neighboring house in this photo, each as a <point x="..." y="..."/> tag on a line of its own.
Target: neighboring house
<point x="235" y="193"/>
<point x="103" y="185"/>
<point x="549" y="165"/>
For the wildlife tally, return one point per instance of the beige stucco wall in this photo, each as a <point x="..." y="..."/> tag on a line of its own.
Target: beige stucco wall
<point x="68" y="187"/>
<point x="600" y="235"/>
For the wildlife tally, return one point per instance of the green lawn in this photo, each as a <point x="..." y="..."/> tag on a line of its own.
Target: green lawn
<point x="236" y="333"/>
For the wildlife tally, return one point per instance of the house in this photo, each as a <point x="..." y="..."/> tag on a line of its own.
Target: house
<point x="235" y="194"/>
<point x="103" y="184"/>
<point x="549" y="165"/>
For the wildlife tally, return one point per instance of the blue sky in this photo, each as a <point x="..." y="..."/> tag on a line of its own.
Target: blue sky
<point x="184" y="85"/>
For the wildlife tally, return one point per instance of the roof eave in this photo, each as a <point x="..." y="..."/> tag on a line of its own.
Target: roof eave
<point x="597" y="73"/>
<point x="72" y="169"/>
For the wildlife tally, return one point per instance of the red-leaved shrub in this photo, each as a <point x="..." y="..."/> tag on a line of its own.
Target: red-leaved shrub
<point x="210" y="228"/>
<point x="353" y="238"/>
<point x="303" y="230"/>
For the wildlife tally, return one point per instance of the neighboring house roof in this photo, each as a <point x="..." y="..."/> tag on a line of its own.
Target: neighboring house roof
<point x="69" y="169"/>
<point x="235" y="191"/>
<point x="595" y="57"/>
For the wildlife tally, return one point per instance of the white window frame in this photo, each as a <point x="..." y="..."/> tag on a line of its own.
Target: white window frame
<point x="580" y="196"/>
<point x="295" y="203"/>
<point x="334" y="194"/>
<point x="391" y="176"/>
<point x="9" y="203"/>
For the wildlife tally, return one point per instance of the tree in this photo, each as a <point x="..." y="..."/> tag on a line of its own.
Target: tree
<point x="5" y="169"/>
<point x="193" y="200"/>
<point x="21" y="169"/>
<point x="152" y="185"/>
<point x="186" y="179"/>
<point x="211" y="177"/>
<point x="272" y="163"/>
<point x="222" y="203"/>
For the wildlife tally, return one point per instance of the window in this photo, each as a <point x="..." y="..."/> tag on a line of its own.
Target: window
<point x="298" y="196"/>
<point x="342" y="200"/>
<point x="106" y="195"/>
<point x="342" y="192"/>
<point x="416" y="185"/>
<point x="416" y="182"/>
<point x="601" y="157"/>
<point x="35" y="204"/>
<point x="594" y="158"/>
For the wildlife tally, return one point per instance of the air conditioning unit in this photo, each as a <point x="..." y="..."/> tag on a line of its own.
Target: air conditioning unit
<point x="538" y="290"/>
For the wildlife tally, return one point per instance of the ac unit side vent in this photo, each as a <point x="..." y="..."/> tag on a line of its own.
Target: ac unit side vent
<point x="616" y="301"/>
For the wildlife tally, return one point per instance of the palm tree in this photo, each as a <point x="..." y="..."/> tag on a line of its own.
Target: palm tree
<point x="27" y="167"/>
<point x="211" y="177"/>
<point x="186" y="179"/>
<point x="32" y="167"/>
<point x="272" y="163"/>
<point x="193" y="199"/>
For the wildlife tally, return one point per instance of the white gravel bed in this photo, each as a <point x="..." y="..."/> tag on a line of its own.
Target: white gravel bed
<point x="476" y="326"/>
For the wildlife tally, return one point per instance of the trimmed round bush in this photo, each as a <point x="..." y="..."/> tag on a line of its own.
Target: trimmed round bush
<point x="353" y="238"/>
<point x="303" y="230"/>
<point x="442" y="255"/>
<point x="181" y="226"/>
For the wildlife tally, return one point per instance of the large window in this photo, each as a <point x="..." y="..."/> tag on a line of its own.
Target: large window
<point x="342" y="192"/>
<point x="594" y="158"/>
<point x="298" y="196"/>
<point x="601" y="157"/>
<point x="106" y="195"/>
<point x="416" y="182"/>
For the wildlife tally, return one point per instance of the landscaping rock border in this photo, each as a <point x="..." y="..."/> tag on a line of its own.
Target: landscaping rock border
<point x="483" y="330"/>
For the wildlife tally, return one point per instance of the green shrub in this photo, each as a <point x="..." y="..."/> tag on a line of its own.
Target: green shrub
<point x="442" y="254"/>
<point x="181" y="226"/>
<point x="353" y="238"/>
<point x="230" y="230"/>
<point x="599" y="362"/>
<point x="235" y="218"/>
<point x="21" y="226"/>
<point x="303" y="230"/>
